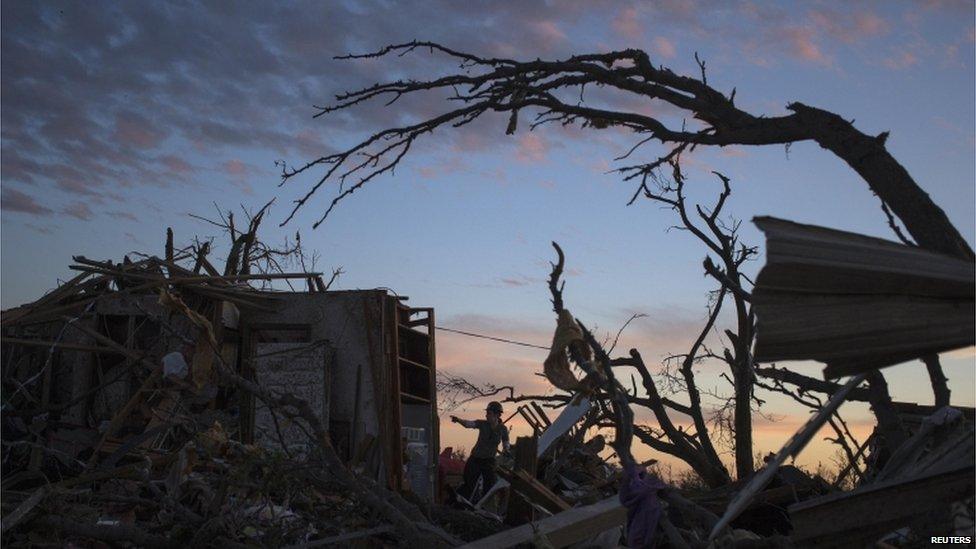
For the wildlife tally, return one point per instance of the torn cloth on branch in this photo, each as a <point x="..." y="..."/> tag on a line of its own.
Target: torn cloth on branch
<point x="556" y="366"/>
<point x="638" y="493"/>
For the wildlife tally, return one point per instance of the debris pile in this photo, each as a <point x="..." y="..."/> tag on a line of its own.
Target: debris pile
<point x="124" y="411"/>
<point x="123" y="399"/>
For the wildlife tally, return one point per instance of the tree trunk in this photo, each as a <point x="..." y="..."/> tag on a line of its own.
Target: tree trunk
<point x="889" y="424"/>
<point x="940" y="384"/>
<point x="867" y="155"/>
<point x="743" y="424"/>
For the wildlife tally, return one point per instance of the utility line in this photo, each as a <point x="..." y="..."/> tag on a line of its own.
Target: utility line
<point x="482" y="336"/>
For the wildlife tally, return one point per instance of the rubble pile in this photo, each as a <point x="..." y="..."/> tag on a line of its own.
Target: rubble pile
<point x="122" y="421"/>
<point x="128" y="420"/>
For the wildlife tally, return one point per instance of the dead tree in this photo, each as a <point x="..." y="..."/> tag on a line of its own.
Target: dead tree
<point x="454" y="391"/>
<point x="601" y="385"/>
<point x="719" y="235"/>
<point x="554" y="91"/>
<point x="248" y="253"/>
<point x="505" y="85"/>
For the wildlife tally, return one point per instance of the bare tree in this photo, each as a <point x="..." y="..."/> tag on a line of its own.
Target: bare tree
<point x="505" y="85"/>
<point x="454" y="391"/>
<point x="719" y="235"/>
<point x="248" y="253"/>
<point x="553" y="91"/>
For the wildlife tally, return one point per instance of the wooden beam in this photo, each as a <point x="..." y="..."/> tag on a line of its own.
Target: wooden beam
<point x="519" y="510"/>
<point x="59" y="344"/>
<point x="561" y="529"/>
<point x="857" y="518"/>
<point x="527" y="485"/>
<point x="542" y="413"/>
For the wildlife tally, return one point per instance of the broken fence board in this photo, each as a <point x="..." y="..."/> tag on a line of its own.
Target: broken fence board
<point x="562" y="529"/>
<point x="569" y="416"/>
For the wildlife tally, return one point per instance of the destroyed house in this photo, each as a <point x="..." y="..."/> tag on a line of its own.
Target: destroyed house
<point x="117" y="370"/>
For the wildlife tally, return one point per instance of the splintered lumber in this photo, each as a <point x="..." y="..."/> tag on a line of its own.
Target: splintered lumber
<point x="60" y="292"/>
<point x="569" y="416"/>
<point x="857" y="518"/>
<point x="560" y="530"/>
<point x="519" y="510"/>
<point x="528" y="486"/>
<point x="344" y="538"/>
<point x="59" y="344"/>
<point x="855" y="302"/>
<point x="797" y="442"/>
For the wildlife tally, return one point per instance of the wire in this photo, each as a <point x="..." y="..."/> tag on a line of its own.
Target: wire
<point x="482" y="336"/>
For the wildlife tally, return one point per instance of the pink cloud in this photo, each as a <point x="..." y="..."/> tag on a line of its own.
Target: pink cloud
<point x="442" y="168"/>
<point x="134" y="129"/>
<point x="123" y="215"/>
<point x="78" y="210"/>
<point x="176" y="165"/>
<point x="77" y="187"/>
<point x="522" y="280"/>
<point x="870" y="24"/>
<point x="625" y="23"/>
<point x="235" y="167"/>
<point x="13" y="200"/>
<point x="848" y="28"/>
<point x="664" y="47"/>
<point x="901" y="60"/>
<point x="42" y="229"/>
<point x="733" y="152"/>
<point x="802" y="44"/>
<point x="549" y="32"/>
<point x="532" y="147"/>
<point x="309" y="143"/>
<point x="470" y="142"/>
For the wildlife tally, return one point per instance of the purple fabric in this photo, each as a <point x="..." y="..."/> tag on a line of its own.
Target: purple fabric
<point x="638" y="493"/>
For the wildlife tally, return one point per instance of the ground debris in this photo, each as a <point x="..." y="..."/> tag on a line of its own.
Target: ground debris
<point x="123" y="410"/>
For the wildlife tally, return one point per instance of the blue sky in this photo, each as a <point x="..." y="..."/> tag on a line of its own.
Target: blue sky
<point x="119" y="119"/>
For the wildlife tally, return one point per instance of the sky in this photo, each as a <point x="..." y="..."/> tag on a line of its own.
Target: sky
<point x="121" y="119"/>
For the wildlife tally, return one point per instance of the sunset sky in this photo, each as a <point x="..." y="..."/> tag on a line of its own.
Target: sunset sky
<point x="120" y="119"/>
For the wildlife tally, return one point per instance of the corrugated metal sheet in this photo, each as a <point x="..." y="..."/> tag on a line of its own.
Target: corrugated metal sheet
<point x="856" y="302"/>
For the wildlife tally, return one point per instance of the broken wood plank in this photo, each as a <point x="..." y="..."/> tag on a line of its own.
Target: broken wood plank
<point x="856" y="518"/>
<point x="49" y="314"/>
<point x="24" y="508"/>
<point x="561" y="529"/>
<point x="344" y="538"/>
<point x="533" y="490"/>
<point x="147" y="384"/>
<point x="192" y="279"/>
<point x="792" y="447"/>
<point x="60" y="292"/>
<point x="58" y="344"/>
<point x="541" y="413"/>
<point x="519" y="510"/>
<point x="531" y="421"/>
<point x="569" y="416"/>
